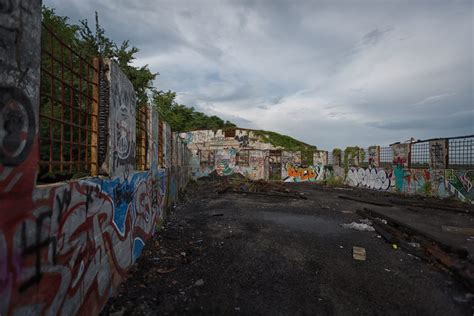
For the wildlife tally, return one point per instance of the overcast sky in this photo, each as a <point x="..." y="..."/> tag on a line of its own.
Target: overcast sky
<point x="331" y="73"/>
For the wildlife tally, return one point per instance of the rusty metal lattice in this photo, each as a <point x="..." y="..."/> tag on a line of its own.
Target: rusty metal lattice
<point x="461" y="152"/>
<point x="386" y="156"/>
<point x="68" y="109"/>
<point x="420" y="155"/>
<point x="142" y="119"/>
<point x="161" y="133"/>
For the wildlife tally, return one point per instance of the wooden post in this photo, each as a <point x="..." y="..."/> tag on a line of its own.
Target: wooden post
<point x="94" y="119"/>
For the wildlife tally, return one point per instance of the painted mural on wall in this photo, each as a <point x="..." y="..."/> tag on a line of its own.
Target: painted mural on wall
<point x="122" y="125"/>
<point x="371" y="178"/>
<point x="320" y="157"/>
<point x="80" y="237"/>
<point x="401" y="154"/>
<point x="374" y="156"/>
<point x="64" y="247"/>
<point x="459" y="183"/>
<point x="296" y="173"/>
<point x="20" y="28"/>
<point x="438" y="153"/>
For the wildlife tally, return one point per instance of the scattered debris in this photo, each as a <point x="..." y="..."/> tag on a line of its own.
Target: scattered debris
<point x="199" y="282"/>
<point x="394" y="246"/>
<point x="165" y="270"/>
<point x="358" y="253"/>
<point x="359" y="226"/>
<point x="366" y="221"/>
<point x="458" y="230"/>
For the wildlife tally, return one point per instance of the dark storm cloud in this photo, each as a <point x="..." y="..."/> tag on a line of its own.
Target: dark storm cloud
<point x="333" y="73"/>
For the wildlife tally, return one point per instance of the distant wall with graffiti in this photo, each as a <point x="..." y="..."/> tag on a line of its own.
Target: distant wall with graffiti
<point x="65" y="247"/>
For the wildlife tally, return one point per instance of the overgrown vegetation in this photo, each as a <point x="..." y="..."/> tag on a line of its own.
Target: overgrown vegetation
<point x="353" y="156"/>
<point x="286" y="142"/>
<point x="90" y="43"/>
<point x="182" y="118"/>
<point x="93" y="41"/>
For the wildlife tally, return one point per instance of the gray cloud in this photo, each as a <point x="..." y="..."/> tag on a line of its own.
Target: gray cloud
<point x="333" y="73"/>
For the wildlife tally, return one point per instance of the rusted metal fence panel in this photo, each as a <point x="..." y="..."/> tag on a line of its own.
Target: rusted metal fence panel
<point x="142" y="120"/>
<point x="461" y="152"/>
<point x="68" y="109"/>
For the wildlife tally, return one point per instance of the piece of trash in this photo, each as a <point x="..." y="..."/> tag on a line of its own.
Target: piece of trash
<point x="384" y="221"/>
<point x="366" y="221"/>
<point x="359" y="226"/>
<point x="237" y="308"/>
<point x="155" y="258"/>
<point x="388" y="270"/>
<point x="174" y="282"/>
<point x="164" y="270"/>
<point x="378" y="236"/>
<point x="358" y="253"/>
<point x="414" y="244"/>
<point x="183" y="254"/>
<point x="198" y="241"/>
<point x="394" y="246"/>
<point x="199" y="282"/>
<point x="341" y="247"/>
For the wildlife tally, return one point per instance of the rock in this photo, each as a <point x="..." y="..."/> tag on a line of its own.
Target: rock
<point x="199" y="282"/>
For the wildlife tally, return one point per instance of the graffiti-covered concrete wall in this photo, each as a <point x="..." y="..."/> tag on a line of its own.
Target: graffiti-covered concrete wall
<point x="245" y="153"/>
<point x="122" y="129"/>
<point x="65" y="247"/>
<point x="20" y="29"/>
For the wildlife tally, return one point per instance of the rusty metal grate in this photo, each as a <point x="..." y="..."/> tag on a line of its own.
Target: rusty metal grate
<point x="161" y="133"/>
<point x="420" y="155"/>
<point x="142" y="120"/>
<point x="461" y="152"/>
<point x="68" y="109"/>
<point x="386" y="156"/>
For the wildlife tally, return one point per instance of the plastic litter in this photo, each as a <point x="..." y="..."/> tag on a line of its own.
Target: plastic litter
<point x="359" y="226"/>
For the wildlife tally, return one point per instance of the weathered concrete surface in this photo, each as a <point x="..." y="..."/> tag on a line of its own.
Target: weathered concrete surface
<point x="252" y="254"/>
<point x="122" y="131"/>
<point x="20" y="35"/>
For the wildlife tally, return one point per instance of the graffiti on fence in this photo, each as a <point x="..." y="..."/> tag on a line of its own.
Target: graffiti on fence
<point x="459" y="183"/>
<point x="372" y="178"/>
<point x="374" y="156"/>
<point x="401" y="154"/>
<point x="438" y="153"/>
<point x="297" y="173"/>
<point x="122" y="122"/>
<point x="81" y="237"/>
<point x="428" y="182"/>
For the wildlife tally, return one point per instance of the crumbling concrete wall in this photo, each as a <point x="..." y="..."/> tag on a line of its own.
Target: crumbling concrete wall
<point x="65" y="247"/>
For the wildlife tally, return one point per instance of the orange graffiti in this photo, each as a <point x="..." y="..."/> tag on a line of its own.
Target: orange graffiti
<point x="299" y="172"/>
